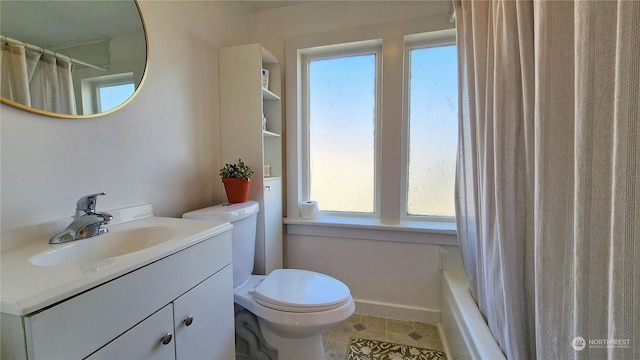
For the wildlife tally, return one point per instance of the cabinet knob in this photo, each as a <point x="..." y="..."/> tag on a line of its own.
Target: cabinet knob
<point x="165" y="340"/>
<point x="268" y="188"/>
<point x="189" y="320"/>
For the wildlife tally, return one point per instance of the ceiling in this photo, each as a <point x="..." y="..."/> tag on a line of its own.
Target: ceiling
<point x="56" y="24"/>
<point x="59" y="23"/>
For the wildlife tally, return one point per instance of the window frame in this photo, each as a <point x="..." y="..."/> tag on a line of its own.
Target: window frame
<point x="330" y="52"/>
<point x="412" y="42"/>
<point x="90" y="89"/>
<point x="391" y="38"/>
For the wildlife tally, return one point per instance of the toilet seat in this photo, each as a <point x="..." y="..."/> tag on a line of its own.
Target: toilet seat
<point x="301" y="291"/>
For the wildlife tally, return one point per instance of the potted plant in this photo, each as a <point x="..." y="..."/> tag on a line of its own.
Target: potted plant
<point x="237" y="180"/>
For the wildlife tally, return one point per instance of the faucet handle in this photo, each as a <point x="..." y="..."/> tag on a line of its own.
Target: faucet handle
<point x="87" y="203"/>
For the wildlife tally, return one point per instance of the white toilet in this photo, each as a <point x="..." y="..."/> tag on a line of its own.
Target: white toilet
<point x="292" y="307"/>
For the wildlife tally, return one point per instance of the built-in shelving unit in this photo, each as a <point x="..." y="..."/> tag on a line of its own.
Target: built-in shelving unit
<point x="268" y="95"/>
<point x="243" y="103"/>
<point x="266" y="133"/>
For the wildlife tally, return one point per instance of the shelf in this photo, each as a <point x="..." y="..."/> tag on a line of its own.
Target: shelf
<point x="243" y="105"/>
<point x="270" y="134"/>
<point x="268" y="95"/>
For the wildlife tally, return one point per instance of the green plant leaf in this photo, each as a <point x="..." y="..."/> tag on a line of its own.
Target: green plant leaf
<point x="237" y="170"/>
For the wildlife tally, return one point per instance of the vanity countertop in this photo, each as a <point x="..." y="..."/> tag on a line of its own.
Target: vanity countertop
<point x="26" y="288"/>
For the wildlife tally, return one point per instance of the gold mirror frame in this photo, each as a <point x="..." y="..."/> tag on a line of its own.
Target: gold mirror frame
<point x="90" y="116"/>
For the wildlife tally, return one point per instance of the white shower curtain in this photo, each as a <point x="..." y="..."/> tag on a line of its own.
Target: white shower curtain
<point x="548" y="201"/>
<point x="588" y="177"/>
<point x="35" y="80"/>
<point x="52" y="86"/>
<point x="15" y="76"/>
<point x="494" y="191"/>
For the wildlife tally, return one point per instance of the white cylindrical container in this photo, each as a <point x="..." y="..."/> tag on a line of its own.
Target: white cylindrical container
<point x="309" y="210"/>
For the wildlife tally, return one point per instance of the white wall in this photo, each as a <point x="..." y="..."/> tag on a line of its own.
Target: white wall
<point x="392" y="279"/>
<point x="163" y="148"/>
<point x="272" y="27"/>
<point x="387" y="276"/>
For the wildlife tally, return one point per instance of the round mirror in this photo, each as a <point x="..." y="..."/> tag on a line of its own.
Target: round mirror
<point x="71" y="59"/>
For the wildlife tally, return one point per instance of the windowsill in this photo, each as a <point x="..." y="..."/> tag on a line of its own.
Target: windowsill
<point x="369" y="223"/>
<point x="422" y="232"/>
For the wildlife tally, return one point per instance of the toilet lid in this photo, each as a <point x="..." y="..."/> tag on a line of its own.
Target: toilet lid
<point x="301" y="291"/>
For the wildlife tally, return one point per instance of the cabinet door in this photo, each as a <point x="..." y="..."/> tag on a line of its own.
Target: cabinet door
<point x="143" y="341"/>
<point x="273" y="224"/>
<point x="204" y="319"/>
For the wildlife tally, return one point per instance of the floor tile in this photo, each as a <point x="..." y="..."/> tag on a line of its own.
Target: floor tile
<point x="379" y="335"/>
<point x="374" y="323"/>
<point x="336" y="350"/>
<point x="399" y="326"/>
<point x="433" y="344"/>
<point x="402" y="339"/>
<point x="427" y="330"/>
<point x="336" y="341"/>
<point x="342" y="333"/>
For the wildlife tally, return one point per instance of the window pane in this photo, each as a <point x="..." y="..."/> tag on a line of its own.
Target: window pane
<point x="433" y="131"/>
<point x="114" y="95"/>
<point x="342" y="132"/>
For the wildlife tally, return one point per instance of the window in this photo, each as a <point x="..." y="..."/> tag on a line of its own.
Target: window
<point x="103" y="93"/>
<point x="111" y="96"/>
<point x="342" y="131"/>
<point x="433" y="130"/>
<point x="373" y="142"/>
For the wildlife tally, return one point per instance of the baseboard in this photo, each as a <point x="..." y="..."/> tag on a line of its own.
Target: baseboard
<point x="397" y="311"/>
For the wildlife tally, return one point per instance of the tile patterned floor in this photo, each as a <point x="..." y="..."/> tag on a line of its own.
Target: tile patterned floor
<point x="417" y="334"/>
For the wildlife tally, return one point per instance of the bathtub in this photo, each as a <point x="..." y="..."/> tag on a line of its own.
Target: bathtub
<point x="465" y="334"/>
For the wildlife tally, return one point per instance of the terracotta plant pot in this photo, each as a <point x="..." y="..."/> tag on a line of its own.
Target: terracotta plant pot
<point x="237" y="189"/>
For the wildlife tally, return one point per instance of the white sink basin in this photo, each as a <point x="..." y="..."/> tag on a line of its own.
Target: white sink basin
<point x="112" y="244"/>
<point x="36" y="274"/>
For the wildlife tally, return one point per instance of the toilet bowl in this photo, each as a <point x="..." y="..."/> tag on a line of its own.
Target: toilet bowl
<point x="293" y="311"/>
<point x="292" y="307"/>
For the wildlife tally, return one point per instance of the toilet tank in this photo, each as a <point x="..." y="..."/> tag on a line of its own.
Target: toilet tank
<point x="243" y="217"/>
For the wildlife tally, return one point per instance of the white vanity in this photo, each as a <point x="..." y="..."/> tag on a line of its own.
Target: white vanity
<point x="161" y="288"/>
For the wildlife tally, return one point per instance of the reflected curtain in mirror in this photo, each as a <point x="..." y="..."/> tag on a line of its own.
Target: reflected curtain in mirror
<point x="104" y="41"/>
<point x="15" y="76"/>
<point x="38" y="80"/>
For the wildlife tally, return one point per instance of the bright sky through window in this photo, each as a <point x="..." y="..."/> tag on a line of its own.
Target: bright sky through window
<point x="342" y="132"/>
<point x="433" y="131"/>
<point x="114" y="95"/>
<point x="342" y="107"/>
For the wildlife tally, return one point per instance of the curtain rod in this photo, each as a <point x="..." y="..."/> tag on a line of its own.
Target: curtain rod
<point x="50" y="52"/>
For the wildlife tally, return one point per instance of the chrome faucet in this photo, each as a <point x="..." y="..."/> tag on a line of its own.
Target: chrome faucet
<point x="86" y="222"/>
